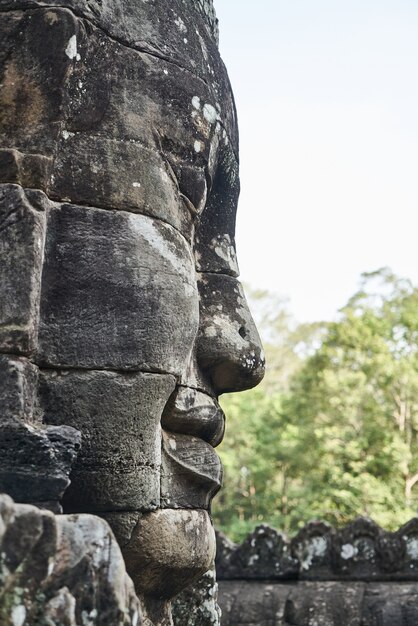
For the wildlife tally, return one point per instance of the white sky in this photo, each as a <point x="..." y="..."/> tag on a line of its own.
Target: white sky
<point x="327" y="98"/>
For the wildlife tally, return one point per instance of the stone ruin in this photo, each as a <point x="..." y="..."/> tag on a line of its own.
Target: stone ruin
<point x="121" y="316"/>
<point x="121" y="322"/>
<point x="359" y="575"/>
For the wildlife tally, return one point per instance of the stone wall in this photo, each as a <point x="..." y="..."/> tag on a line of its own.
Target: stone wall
<point x="359" y="575"/>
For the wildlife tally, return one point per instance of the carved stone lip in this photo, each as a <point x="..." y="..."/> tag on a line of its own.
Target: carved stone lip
<point x="194" y="413"/>
<point x="194" y="457"/>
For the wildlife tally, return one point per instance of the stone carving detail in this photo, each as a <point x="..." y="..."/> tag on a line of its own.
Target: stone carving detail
<point x="121" y="315"/>
<point x="61" y="570"/>
<point x="354" y="576"/>
<point x="359" y="551"/>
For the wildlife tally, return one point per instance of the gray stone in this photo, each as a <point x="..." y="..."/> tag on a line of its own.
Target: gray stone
<point x="18" y="389"/>
<point x="197" y="605"/>
<point x="325" y="603"/>
<point x="168" y="122"/>
<point x="215" y="250"/>
<point x="35" y="462"/>
<point x="121" y="112"/>
<point x="65" y="570"/>
<point x="389" y="604"/>
<point x="118" y="415"/>
<point x="192" y="412"/>
<point x="168" y="549"/>
<point x="118" y="292"/>
<point x="191" y="472"/>
<point x="22" y="231"/>
<point x="263" y="555"/>
<point x="312" y="547"/>
<point x="252" y="604"/>
<point x="228" y="345"/>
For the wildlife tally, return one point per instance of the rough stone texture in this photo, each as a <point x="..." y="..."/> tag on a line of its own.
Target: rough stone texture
<point x="198" y="605"/>
<point x="336" y="570"/>
<point x="35" y="463"/>
<point x="228" y="343"/>
<point x="18" y="388"/>
<point x="359" y="551"/>
<point x="119" y="153"/>
<point x="22" y="231"/>
<point x="61" y="571"/>
<point x="119" y="465"/>
<point x="165" y="550"/>
<point x="263" y="555"/>
<point x="390" y="604"/>
<point x="118" y="292"/>
<point x="305" y="604"/>
<point x="310" y="603"/>
<point x="191" y="472"/>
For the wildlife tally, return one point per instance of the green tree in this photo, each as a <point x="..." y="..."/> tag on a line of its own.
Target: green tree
<point x="338" y="436"/>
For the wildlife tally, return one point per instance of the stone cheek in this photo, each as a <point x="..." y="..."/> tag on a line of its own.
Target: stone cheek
<point x="118" y="414"/>
<point x="118" y="292"/>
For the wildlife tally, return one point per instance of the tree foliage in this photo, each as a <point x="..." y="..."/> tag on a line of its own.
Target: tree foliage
<point x="337" y="435"/>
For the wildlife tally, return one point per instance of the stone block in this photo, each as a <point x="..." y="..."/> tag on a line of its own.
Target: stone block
<point x="18" y="389"/>
<point x="148" y="28"/>
<point x="325" y="603"/>
<point x="22" y="232"/>
<point x="64" y="570"/>
<point x="245" y="603"/>
<point x="118" y="292"/>
<point x="118" y="415"/>
<point x="35" y="463"/>
<point x="390" y="604"/>
<point x="33" y="98"/>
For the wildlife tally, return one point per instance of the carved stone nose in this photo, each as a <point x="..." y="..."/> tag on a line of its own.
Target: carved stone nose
<point x="229" y="349"/>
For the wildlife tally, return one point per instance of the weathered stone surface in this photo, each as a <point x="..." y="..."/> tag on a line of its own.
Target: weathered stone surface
<point x="198" y="604"/>
<point x="390" y="604"/>
<point x="215" y="237"/>
<point x="182" y="34"/>
<point x="192" y="412"/>
<point x="359" y="551"/>
<point x="118" y="292"/>
<point x="168" y="549"/>
<point x="166" y="121"/>
<point x="61" y="570"/>
<point x="263" y="555"/>
<point x="22" y="231"/>
<point x="18" y="389"/>
<point x="35" y="463"/>
<point x="325" y="603"/>
<point x="245" y="603"/>
<point x="228" y="343"/>
<point x="312" y="547"/>
<point x="121" y="112"/>
<point x="118" y="415"/>
<point x="34" y="97"/>
<point x="191" y="472"/>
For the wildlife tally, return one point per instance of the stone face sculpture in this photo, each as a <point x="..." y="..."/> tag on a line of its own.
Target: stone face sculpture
<point x="119" y="298"/>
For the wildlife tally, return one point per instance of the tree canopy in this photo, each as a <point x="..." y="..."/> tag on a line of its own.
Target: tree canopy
<point x="333" y="433"/>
